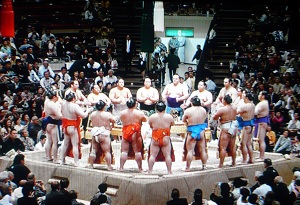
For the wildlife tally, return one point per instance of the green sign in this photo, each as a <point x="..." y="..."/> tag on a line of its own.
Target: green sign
<point x="184" y="32"/>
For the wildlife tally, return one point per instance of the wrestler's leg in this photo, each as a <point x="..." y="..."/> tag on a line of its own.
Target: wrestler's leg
<point x="137" y="145"/>
<point x="244" y="141"/>
<point x="190" y="146"/>
<point x="248" y="131"/>
<point x="48" y="145"/>
<point x="232" y="148"/>
<point x="105" y="146"/>
<point x="223" y="143"/>
<point x="261" y="139"/>
<point x="202" y="149"/>
<point x="54" y="137"/>
<point x="74" y="141"/>
<point x="93" y="152"/>
<point x="154" y="150"/>
<point x="166" y="150"/>
<point x="124" y="153"/>
<point x="65" y="145"/>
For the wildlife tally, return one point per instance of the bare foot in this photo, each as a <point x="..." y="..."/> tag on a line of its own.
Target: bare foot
<point x="55" y="161"/>
<point x="62" y="163"/>
<point x="90" y="166"/>
<point x="170" y="172"/>
<point x="149" y="172"/>
<point x="250" y="162"/>
<point x="120" y="169"/>
<point x="220" y="166"/>
<point x="259" y="159"/>
<point x="110" y="168"/>
<point x="187" y="169"/>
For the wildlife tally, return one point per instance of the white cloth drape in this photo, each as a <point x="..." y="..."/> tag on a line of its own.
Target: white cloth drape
<point x="159" y="16"/>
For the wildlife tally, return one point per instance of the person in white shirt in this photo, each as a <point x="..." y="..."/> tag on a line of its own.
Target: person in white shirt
<point x="99" y="77"/>
<point x="46" y="81"/>
<point x="33" y="77"/>
<point x="263" y="188"/>
<point x="93" y="64"/>
<point x="45" y="67"/>
<point x="110" y="78"/>
<point x="40" y="146"/>
<point x="64" y="76"/>
<point x="52" y="47"/>
<point x="210" y="85"/>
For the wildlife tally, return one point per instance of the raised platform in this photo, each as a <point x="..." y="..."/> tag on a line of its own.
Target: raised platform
<point x="132" y="187"/>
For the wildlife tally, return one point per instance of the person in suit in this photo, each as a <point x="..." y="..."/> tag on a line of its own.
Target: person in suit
<point x="273" y="98"/>
<point x="30" y="55"/>
<point x="176" y="200"/>
<point x="128" y="49"/>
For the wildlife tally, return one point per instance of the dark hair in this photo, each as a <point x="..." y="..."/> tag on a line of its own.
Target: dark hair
<point x="100" y="105"/>
<point x="95" y="201"/>
<point x="252" y="198"/>
<point x="64" y="183"/>
<point x="225" y="189"/>
<point x="269" y="198"/>
<point x="244" y="192"/>
<point x="50" y="93"/>
<point x="198" y="195"/>
<point x="54" y="185"/>
<point x="102" y="187"/>
<point x="175" y="193"/>
<point x="69" y="97"/>
<point x="160" y="106"/>
<point x="268" y="162"/>
<point x="27" y="188"/>
<point x="42" y="137"/>
<point x="102" y="198"/>
<point x="239" y="182"/>
<point x="261" y="180"/>
<point x="131" y="102"/>
<point x="73" y="194"/>
<point x="250" y="96"/>
<point x="196" y="101"/>
<point x="264" y="93"/>
<point x="228" y="99"/>
<point x="18" y="158"/>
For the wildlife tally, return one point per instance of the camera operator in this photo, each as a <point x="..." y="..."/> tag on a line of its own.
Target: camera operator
<point x="38" y="186"/>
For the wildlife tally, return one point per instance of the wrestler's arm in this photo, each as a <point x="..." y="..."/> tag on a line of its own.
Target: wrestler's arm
<point x="185" y="95"/>
<point x="108" y="101"/>
<point x="240" y="110"/>
<point x="128" y="94"/>
<point x="209" y="100"/>
<point x="91" y="100"/>
<point x="172" y="120"/>
<point x="83" y="98"/>
<point x="218" y="114"/>
<point x="258" y="109"/>
<point x="233" y="94"/>
<point x="188" y="101"/>
<point x="150" y="121"/>
<point x="112" y="96"/>
<point x="164" y="94"/>
<point x="83" y="114"/>
<point x="112" y="120"/>
<point x="155" y="98"/>
<point x="57" y="111"/>
<point x="139" y="96"/>
<point x="185" y="117"/>
<point x="218" y="99"/>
